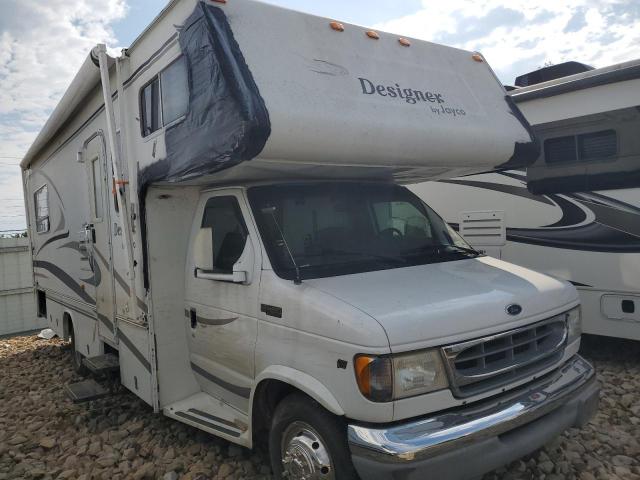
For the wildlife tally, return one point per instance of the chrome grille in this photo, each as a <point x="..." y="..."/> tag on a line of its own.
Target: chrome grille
<point x="491" y="362"/>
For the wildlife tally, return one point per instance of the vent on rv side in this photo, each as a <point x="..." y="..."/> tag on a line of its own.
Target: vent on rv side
<point x="484" y="228"/>
<point x="585" y="147"/>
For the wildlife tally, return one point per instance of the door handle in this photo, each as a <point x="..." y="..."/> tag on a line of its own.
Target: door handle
<point x="194" y="318"/>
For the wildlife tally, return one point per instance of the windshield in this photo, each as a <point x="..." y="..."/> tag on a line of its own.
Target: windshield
<point x="331" y="229"/>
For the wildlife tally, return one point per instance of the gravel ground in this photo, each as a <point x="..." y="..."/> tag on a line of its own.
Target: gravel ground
<point x="44" y="435"/>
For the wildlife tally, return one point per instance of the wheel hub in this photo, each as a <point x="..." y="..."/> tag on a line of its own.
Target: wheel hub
<point x="304" y="455"/>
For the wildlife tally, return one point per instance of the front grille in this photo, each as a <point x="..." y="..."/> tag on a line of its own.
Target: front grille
<point x="491" y="362"/>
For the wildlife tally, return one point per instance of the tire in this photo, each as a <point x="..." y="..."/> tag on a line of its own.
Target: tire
<point x="304" y="431"/>
<point x="76" y="356"/>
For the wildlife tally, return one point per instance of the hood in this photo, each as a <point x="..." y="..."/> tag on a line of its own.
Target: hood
<point x="437" y="304"/>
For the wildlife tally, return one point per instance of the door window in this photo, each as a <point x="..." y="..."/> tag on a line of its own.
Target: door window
<point x="228" y="230"/>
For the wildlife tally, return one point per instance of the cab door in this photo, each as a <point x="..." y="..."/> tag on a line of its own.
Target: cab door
<point x="97" y="233"/>
<point x="221" y="298"/>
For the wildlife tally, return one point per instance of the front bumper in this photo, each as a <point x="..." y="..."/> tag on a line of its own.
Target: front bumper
<point x="470" y="441"/>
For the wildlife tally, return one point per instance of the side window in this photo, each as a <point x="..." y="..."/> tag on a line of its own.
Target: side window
<point x="150" y="107"/>
<point x="229" y="232"/>
<point x="165" y="98"/>
<point x="175" y="91"/>
<point x="41" y="202"/>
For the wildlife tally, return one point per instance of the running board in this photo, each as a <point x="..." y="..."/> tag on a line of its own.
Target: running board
<point x="102" y="364"/>
<point x="213" y="416"/>
<point x="86" y="391"/>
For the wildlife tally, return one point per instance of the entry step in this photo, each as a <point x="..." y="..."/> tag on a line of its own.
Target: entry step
<point x="102" y="364"/>
<point x="86" y="391"/>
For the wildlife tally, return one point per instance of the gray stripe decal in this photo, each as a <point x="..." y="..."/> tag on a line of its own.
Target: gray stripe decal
<point x="106" y="321"/>
<point x="207" y="424"/>
<point x="240" y="391"/>
<point x="132" y="348"/>
<point x="214" y="418"/>
<point x="65" y="278"/>
<point x="121" y="281"/>
<point x="211" y="322"/>
<point x="53" y="239"/>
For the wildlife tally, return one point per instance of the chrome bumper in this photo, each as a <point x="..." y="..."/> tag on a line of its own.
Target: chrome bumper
<point x="412" y="442"/>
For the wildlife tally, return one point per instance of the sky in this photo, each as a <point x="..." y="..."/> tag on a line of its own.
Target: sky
<point x="43" y="44"/>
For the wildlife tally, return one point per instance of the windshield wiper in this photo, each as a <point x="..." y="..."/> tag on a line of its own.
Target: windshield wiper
<point x="435" y="250"/>
<point x="469" y="250"/>
<point x="388" y="258"/>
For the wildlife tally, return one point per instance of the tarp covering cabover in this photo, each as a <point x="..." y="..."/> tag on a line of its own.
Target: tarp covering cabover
<point x="297" y="93"/>
<point x="294" y="89"/>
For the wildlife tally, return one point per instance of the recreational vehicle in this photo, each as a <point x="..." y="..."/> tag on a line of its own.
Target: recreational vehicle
<point x="575" y="213"/>
<point x="219" y="214"/>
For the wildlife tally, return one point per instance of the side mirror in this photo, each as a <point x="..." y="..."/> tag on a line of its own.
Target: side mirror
<point x="203" y="256"/>
<point x="203" y="249"/>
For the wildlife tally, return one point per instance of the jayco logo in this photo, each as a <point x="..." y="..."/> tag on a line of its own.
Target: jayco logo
<point x="410" y="96"/>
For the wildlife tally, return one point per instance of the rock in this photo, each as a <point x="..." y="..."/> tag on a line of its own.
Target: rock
<point x="621" y="460"/>
<point x="146" y="471"/>
<point x="17" y="440"/>
<point x="135" y="428"/>
<point x="170" y="476"/>
<point x="546" y="466"/>
<point x="107" y="460"/>
<point x="225" y="470"/>
<point x="47" y="442"/>
<point x="94" y="449"/>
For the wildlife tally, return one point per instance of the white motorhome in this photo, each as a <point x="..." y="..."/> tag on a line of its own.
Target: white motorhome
<point x="219" y="214"/>
<point x="579" y="218"/>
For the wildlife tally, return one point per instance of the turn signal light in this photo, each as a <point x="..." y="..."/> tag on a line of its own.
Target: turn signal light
<point x="375" y="377"/>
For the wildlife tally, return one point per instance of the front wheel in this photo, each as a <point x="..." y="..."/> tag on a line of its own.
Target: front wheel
<point x="306" y="442"/>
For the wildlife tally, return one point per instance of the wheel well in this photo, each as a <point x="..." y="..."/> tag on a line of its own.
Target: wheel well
<point x="269" y="393"/>
<point x="67" y="325"/>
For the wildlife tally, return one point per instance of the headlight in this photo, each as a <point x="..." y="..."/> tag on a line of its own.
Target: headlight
<point x="574" y="324"/>
<point x="382" y="379"/>
<point x="418" y="373"/>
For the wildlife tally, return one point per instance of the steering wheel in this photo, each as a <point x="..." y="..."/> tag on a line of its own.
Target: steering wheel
<point x="391" y="232"/>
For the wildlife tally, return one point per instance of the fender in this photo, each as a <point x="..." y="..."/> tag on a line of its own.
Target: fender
<point x="303" y="382"/>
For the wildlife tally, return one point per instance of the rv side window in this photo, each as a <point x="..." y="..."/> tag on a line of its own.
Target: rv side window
<point x="150" y="107"/>
<point x="223" y="216"/>
<point x="583" y="148"/>
<point x="165" y="99"/>
<point x="175" y="91"/>
<point x="42" y="304"/>
<point x="41" y="203"/>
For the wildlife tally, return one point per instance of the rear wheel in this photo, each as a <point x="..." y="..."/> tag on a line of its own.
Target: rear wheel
<point x="76" y="356"/>
<point x="306" y="442"/>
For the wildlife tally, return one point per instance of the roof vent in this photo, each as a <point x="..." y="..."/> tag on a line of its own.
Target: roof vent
<point x="551" y="73"/>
